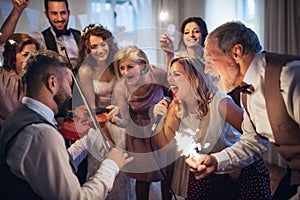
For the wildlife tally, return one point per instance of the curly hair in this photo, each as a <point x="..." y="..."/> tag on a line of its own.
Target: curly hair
<point x="13" y="45"/>
<point x="84" y="47"/>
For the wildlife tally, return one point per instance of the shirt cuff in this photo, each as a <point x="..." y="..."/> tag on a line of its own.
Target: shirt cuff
<point x="224" y="163"/>
<point x="111" y="165"/>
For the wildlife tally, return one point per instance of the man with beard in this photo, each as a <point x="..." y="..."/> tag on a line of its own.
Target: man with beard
<point x="34" y="163"/>
<point x="57" y="38"/>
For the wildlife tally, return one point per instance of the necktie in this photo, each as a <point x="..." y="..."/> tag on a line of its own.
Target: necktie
<point x="246" y="88"/>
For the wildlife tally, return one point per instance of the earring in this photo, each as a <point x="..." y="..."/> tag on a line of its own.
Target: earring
<point x="144" y="70"/>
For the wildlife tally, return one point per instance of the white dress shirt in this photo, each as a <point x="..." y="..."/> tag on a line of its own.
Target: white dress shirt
<point x="39" y="156"/>
<point x="251" y="146"/>
<point x="67" y="41"/>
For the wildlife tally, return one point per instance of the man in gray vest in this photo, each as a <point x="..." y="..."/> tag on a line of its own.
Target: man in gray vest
<point x="271" y="100"/>
<point x="57" y="37"/>
<point x="34" y="163"/>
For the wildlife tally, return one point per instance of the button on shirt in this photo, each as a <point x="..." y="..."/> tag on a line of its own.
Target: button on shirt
<point x="251" y="146"/>
<point x="39" y="156"/>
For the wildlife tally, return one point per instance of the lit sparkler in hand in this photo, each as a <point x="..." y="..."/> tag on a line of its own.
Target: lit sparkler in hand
<point x="187" y="144"/>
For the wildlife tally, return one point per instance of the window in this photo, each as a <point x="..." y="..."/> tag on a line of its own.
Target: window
<point x="250" y="13"/>
<point x="117" y="16"/>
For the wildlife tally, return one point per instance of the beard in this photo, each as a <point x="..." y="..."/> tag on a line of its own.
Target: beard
<point x="62" y="101"/>
<point x="59" y="32"/>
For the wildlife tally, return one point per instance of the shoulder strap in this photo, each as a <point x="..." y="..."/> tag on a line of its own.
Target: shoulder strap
<point x="276" y="109"/>
<point x="49" y="40"/>
<point x="244" y="102"/>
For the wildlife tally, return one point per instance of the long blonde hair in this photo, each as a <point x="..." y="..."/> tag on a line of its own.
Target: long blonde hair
<point x="203" y="88"/>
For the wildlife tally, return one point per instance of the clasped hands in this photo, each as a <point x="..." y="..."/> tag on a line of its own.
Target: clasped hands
<point x="202" y="167"/>
<point x="206" y="165"/>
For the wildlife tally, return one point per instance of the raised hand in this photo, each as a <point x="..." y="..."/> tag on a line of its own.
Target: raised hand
<point x="20" y="5"/>
<point x="166" y="44"/>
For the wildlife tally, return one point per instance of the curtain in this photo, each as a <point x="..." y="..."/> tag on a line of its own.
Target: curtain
<point x="282" y="26"/>
<point x="281" y="35"/>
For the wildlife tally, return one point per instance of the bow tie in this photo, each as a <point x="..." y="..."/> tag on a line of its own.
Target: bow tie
<point x="246" y="88"/>
<point x="60" y="33"/>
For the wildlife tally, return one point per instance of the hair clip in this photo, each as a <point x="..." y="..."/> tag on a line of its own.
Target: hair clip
<point x="12" y="42"/>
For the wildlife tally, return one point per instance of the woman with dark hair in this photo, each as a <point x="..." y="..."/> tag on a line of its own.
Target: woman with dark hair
<point x="193" y="33"/>
<point x="17" y="49"/>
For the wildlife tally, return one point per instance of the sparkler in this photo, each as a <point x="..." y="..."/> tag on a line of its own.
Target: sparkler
<point x="187" y="144"/>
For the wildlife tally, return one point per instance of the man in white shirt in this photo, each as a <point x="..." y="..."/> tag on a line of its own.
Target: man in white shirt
<point x="236" y="53"/>
<point x="34" y="163"/>
<point x="57" y="37"/>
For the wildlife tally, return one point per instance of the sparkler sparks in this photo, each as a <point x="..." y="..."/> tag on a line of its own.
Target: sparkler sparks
<point x="187" y="144"/>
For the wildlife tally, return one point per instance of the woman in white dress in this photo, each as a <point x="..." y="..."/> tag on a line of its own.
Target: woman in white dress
<point x="97" y="79"/>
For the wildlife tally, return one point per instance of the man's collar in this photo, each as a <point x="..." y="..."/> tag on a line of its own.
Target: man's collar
<point x="60" y="33"/>
<point x="254" y="71"/>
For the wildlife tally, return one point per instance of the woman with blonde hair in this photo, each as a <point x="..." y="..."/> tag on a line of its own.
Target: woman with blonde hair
<point x="141" y="85"/>
<point x="208" y="121"/>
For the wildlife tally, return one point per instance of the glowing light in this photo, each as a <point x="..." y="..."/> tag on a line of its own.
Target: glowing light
<point x="187" y="144"/>
<point x="11" y="41"/>
<point x="163" y="15"/>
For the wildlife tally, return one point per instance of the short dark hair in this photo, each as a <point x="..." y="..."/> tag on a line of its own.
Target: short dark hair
<point x="47" y="6"/>
<point x="39" y="66"/>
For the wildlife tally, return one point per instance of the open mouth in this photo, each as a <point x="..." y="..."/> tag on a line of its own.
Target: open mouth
<point x="129" y="77"/>
<point x="174" y="89"/>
